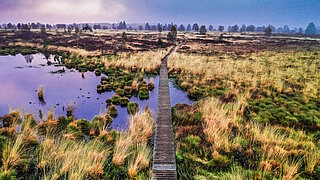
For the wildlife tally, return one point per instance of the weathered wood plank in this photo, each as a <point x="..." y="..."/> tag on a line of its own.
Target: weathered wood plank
<point x="164" y="161"/>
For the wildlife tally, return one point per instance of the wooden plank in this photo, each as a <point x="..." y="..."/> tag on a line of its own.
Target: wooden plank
<point x="164" y="161"/>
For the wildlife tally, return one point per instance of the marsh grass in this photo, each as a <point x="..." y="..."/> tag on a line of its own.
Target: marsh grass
<point x="148" y="62"/>
<point x="70" y="109"/>
<point x="75" y="160"/>
<point x="254" y="150"/>
<point x="132" y="145"/>
<point x="139" y="160"/>
<point x="52" y="149"/>
<point x="41" y="93"/>
<point x="290" y="71"/>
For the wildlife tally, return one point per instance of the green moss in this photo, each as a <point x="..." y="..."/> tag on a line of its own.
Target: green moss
<point x="109" y="101"/>
<point x="143" y="84"/>
<point x="219" y="162"/>
<point x="10" y="175"/>
<point x="107" y="87"/>
<point x="193" y="141"/>
<point x="103" y="79"/>
<point x="286" y="110"/>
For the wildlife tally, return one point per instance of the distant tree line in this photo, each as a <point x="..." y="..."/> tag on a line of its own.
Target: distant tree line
<point x="311" y="29"/>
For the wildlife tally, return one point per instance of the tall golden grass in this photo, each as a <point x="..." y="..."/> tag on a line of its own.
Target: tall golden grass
<point x="285" y="71"/>
<point x="132" y="145"/>
<point x="222" y="127"/>
<point x="75" y="160"/>
<point x="72" y="50"/>
<point x="148" y="61"/>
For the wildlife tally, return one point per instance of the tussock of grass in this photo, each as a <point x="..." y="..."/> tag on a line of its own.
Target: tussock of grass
<point x="142" y="61"/>
<point x="139" y="160"/>
<point x="139" y="132"/>
<point x="41" y="93"/>
<point x="77" y="160"/>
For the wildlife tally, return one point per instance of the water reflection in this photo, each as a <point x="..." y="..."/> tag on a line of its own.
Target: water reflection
<point x="28" y="58"/>
<point x="19" y="90"/>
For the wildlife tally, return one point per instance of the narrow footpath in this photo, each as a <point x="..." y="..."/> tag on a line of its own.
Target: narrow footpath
<point x="164" y="161"/>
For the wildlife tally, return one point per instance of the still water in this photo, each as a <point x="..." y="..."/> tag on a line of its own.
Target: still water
<point x="21" y="77"/>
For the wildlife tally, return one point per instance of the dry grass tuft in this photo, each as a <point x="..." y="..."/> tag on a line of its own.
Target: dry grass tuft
<point x="139" y="160"/>
<point x="41" y="93"/>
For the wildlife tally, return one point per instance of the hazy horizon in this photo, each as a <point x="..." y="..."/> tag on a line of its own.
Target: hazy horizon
<point x="295" y="13"/>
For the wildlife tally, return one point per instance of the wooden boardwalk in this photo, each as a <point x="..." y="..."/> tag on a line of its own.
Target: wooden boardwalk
<point x="164" y="161"/>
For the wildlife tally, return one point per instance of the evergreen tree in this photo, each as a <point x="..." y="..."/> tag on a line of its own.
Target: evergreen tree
<point x="268" y="31"/>
<point x="195" y="27"/>
<point x="311" y="29"/>
<point x="243" y="28"/>
<point x="172" y="35"/>
<point x="159" y="27"/>
<point x="203" y="30"/>
<point x="181" y="28"/>
<point x="210" y="28"/>
<point x="189" y="27"/>
<point x="221" y="28"/>
<point x="147" y="27"/>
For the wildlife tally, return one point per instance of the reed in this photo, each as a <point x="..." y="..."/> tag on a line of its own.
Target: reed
<point x="41" y="93"/>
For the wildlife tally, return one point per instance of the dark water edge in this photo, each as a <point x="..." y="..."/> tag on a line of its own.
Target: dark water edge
<point x="21" y="77"/>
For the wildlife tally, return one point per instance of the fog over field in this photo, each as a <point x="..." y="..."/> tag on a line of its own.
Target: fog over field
<point x="295" y="13"/>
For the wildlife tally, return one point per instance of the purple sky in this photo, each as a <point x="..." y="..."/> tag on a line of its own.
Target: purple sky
<point x="295" y="13"/>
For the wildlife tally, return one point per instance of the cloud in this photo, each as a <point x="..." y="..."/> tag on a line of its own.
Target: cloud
<point x="62" y="11"/>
